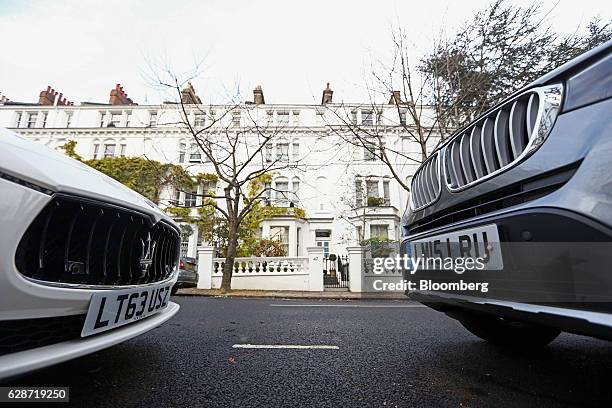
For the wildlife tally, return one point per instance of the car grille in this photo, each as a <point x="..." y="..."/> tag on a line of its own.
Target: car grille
<point x="26" y="334"/>
<point x="84" y="242"/>
<point x="509" y="196"/>
<point x="501" y="138"/>
<point x="425" y="187"/>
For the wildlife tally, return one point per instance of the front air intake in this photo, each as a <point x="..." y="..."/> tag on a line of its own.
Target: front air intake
<point x="80" y="242"/>
<point x="501" y="138"/>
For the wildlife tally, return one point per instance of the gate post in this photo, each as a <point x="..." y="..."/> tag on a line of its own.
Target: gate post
<point x="355" y="255"/>
<point x="205" y="266"/>
<point x="315" y="268"/>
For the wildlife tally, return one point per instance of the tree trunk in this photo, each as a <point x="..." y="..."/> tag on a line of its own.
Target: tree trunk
<point x="228" y="267"/>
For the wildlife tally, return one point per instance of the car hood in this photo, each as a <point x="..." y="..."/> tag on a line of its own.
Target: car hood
<point x="47" y="168"/>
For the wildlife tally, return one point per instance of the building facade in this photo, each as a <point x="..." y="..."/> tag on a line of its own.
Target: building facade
<point x="347" y="194"/>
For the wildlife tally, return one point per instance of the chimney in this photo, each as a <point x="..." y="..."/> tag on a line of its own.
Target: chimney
<point x="189" y="96"/>
<point x="327" y="95"/>
<point x="3" y="99"/>
<point x="396" y="98"/>
<point x="47" y="97"/>
<point x="119" y="97"/>
<point x="258" y="96"/>
<point x="50" y="97"/>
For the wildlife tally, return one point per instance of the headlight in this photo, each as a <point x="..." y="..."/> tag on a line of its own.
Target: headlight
<point x="591" y="85"/>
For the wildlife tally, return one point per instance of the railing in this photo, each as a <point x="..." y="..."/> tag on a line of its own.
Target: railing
<point x="264" y="266"/>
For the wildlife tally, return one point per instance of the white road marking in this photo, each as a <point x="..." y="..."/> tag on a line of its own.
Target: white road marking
<point x="343" y="305"/>
<point x="284" y="346"/>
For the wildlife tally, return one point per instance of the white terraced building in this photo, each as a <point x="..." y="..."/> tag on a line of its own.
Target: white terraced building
<point x="331" y="181"/>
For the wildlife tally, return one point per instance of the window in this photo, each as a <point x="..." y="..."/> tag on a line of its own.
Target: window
<point x="281" y="234"/>
<point x="182" y="148"/>
<point x="32" y="117"/>
<point x="195" y="155"/>
<point x="191" y="198"/>
<point x="366" y="118"/>
<point x="402" y="118"/>
<point x="266" y="193"/>
<point x="200" y="120"/>
<point x="369" y="150"/>
<point x="109" y="150"/>
<point x="236" y="119"/>
<point x="282" y="151"/>
<point x="102" y="118"/>
<point x="18" y="119"/>
<point x="269" y="117"/>
<point x="152" y="119"/>
<point x="295" y="119"/>
<point x="282" y="118"/>
<point x="282" y="193"/>
<point x="68" y="119"/>
<point x="45" y="115"/>
<point x="96" y="150"/>
<point x="372" y="188"/>
<point x="269" y="152"/>
<point x="358" y="193"/>
<point x="115" y="119"/>
<point x="386" y="192"/>
<point x="209" y="187"/>
<point x="379" y="231"/>
<point x="354" y="118"/>
<point x="295" y="190"/>
<point x="177" y="197"/>
<point x="122" y="148"/>
<point x="184" y="244"/>
<point x="128" y="118"/>
<point x="296" y="151"/>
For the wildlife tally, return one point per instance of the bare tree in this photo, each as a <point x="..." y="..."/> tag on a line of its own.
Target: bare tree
<point x="397" y="109"/>
<point x="233" y="141"/>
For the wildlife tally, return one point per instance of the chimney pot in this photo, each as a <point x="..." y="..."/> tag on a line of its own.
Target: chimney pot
<point x="258" y="96"/>
<point x="327" y="95"/>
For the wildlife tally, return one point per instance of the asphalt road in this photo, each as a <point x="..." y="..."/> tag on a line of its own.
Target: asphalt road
<point x="386" y="356"/>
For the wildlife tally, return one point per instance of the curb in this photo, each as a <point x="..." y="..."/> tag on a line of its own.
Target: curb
<point x="293" y="294"/>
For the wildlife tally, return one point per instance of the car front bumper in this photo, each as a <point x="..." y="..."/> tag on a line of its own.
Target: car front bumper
<point x="14" y="364"/>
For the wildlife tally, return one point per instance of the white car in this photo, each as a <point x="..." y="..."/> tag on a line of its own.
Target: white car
<point x="85" y="263"/>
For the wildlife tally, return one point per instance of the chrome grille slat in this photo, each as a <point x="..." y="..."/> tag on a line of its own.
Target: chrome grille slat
<point x="501" y="137"/>
<point x="532" y="113"/>
<point x="476" y="154"/>
<point x="427" y="182"/>
<point x="456" y="163"/>
<point x="425" y="187"/>
<point x="464" y="154"/>
<point x="487" y="144"/>
<point x="517" y="128"/>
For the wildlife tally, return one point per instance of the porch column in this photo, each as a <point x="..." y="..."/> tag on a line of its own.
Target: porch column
<point x="315" y="268"/>
<point x="205" y="266"/>
<point x="355" y="255"/>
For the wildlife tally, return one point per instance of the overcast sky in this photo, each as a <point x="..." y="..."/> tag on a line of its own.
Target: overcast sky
<point x="82" y="48"/>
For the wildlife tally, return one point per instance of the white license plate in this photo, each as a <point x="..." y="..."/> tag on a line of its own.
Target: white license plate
<point x="480" y="242"/>
<point x="114" y="308"/>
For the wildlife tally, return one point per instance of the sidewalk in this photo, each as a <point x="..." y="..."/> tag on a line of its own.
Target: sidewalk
<point x="290" y="294"/>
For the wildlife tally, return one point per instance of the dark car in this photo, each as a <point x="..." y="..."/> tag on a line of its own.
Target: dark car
<point x="528" y="187"/>
<point x="187" y="275"/>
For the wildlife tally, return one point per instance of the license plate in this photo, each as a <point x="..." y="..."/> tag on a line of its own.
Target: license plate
<point x="480" y="242"/>
<point x="115" y="308"/>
